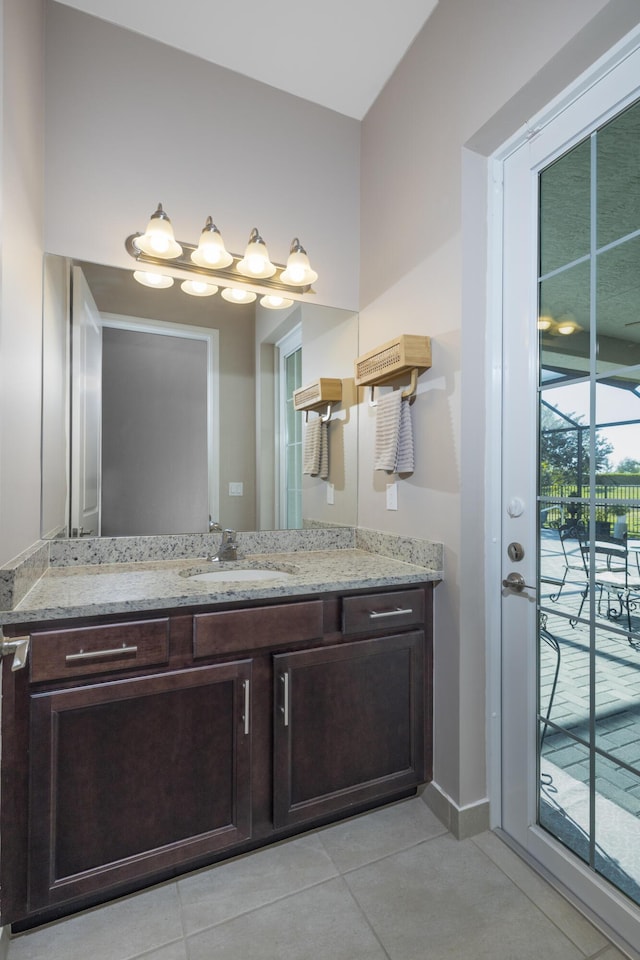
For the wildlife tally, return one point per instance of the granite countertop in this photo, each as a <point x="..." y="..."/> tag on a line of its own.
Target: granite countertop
<point x="117" y="588"/>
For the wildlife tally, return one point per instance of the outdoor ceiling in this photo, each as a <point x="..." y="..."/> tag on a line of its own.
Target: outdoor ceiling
<point x="337" y="53"/>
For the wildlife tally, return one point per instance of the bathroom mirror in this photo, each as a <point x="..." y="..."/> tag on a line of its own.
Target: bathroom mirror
<point x="221" y="438"/>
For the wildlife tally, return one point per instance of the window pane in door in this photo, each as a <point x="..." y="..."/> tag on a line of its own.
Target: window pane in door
<point x="564" y="320"/>
<point x="617" y="299"/>
<point x="618" y="157"/>
<point x="589" y="490"/>
<point x="565" y="201"/>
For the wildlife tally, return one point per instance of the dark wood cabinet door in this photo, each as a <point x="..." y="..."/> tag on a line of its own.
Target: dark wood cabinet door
<point x="134" y="777"/>
<point x="349" y="725"/>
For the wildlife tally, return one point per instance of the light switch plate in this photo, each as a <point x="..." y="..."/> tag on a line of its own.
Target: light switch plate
<point x="236" y="488"/>
<point x="392" y="496"/>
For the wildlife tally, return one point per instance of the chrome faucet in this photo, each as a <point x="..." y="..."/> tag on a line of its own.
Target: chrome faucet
<point x="228" y="549"/>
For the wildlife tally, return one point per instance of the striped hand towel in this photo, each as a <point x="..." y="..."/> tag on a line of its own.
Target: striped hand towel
<point x="394" y="434"/>
<point x="315" y="461"/>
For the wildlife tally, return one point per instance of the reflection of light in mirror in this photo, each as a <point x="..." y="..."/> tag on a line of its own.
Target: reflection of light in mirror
<point x="234" y="295"/>
<point x="272" y="302"/>
<point x="157" y="280"/>
<point x="545" y="322"/>
<point x="198" y="288"/>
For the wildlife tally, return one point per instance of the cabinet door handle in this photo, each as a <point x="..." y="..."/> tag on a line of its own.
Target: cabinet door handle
<point x="398" y="612"/>
<point x="285" y="698"/>
<point x="245" y="715"/>
<point x="95" y="654"/>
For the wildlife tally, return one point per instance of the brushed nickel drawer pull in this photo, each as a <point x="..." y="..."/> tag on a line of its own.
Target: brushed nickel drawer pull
<point x="95" y="654"/>
<point x="398" y="612"/>
<point x="245" y="716"/>
<point x="285" y="698"/>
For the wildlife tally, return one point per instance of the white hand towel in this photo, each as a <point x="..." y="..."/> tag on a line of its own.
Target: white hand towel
<point x="394" y="434"/>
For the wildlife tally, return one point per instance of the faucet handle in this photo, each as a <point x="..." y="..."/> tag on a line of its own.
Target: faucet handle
<point x="213" y="525"/>
<point x="228" y="536"/>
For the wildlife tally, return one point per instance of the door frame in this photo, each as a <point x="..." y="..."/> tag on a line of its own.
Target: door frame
<point x="596" y="899"/>
<point x="211" y="338"/>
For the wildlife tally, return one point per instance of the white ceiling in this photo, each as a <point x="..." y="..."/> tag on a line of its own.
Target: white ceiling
<point x="338" y="53"/>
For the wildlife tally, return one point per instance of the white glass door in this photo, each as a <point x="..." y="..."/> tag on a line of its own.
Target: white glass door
<point x="571" y="492"/>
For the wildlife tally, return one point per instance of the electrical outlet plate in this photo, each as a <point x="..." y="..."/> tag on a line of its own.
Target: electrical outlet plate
<point x="392" y="496"/>
<point x="331" y="494"/>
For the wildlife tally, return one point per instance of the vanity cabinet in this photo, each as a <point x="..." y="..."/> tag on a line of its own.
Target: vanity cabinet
<point x="134" y="751"/>
<point x="131" y="777"/>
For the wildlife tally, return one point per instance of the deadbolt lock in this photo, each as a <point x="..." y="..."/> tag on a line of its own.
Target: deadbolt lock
<point x="515" y="551"/>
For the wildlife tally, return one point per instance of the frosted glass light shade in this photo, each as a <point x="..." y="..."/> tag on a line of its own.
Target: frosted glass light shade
<point x="298" y="272"/>
<point x="211" y="251"/>
<point x="158" y="239"/>
<point x="198" y="288"/>
<point x="155" y="280"/>
<point x="256" y="262"/>
<point x="236" y="295"/>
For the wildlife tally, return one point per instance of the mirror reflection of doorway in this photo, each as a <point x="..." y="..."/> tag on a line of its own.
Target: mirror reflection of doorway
<point x="155" y="430"/>
<point x="289" y="350"/>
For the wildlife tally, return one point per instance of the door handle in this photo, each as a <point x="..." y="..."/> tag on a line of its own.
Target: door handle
<point x="515" y="581"/>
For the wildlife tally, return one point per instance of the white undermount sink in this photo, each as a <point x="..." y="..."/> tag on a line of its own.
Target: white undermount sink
<point x="226" y="576"/>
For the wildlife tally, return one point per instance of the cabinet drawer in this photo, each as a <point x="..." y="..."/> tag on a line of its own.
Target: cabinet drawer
<point x="231" y="631"/>
<point x="382" y="611"/>
<point x="61" y="654"/>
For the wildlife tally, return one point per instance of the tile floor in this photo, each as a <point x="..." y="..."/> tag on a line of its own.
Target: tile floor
<point x="388" y="885"/>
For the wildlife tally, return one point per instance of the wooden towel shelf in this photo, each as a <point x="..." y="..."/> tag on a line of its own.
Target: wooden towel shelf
<point x="402" y="355"/>
<point x="321" y="393"/>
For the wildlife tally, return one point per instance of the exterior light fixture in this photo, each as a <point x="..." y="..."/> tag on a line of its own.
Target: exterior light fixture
<point x="158" y="239"/>
<point x="211" y="250"/>
<point x="255" y="262"/>
<point x="566" y="325"/>
<point x="237" y="295"/>
<point x="298" y="271"/>
<point x="198" y="288"/>
<point x="156" y="280"/>
<point x="274" y="302"/>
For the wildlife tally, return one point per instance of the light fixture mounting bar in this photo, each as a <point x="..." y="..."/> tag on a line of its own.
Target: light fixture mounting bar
<point x="229" y="273"/>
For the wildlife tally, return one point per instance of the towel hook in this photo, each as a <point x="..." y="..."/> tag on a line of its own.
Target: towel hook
<point x="324" y="417"/>
<point x="408" y="392"/>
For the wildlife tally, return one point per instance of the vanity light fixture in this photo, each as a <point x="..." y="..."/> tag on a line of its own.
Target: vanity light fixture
<point x="198" y="288"/>
<point x="211" y="251"/>
<point x="298" y="271"/>
<point x="212" y="263"/>
<point x="237" y="295"/>
<point x="158" y="239"/>
<point x="274" y="302"/>
<point x="255" y="262"/>
<point x="155" y="280"/>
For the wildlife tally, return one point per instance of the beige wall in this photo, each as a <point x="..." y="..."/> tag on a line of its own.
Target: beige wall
<point x="20" y="274"/>
<point x="131" y="122"/>
<point x="468" y="81"/>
